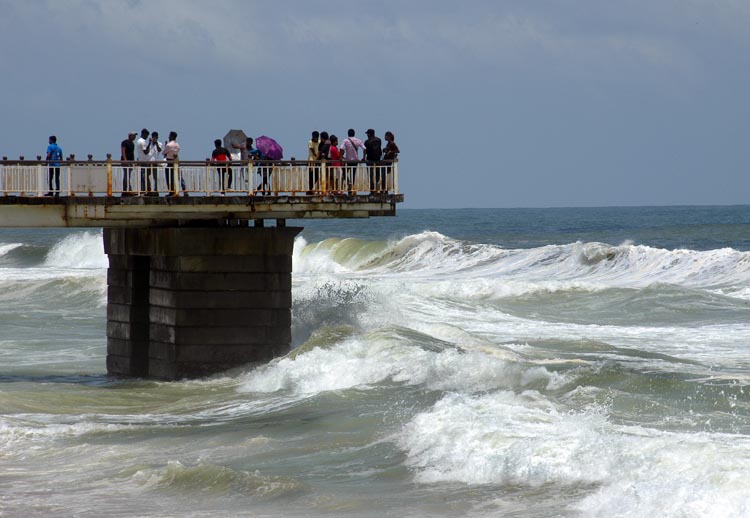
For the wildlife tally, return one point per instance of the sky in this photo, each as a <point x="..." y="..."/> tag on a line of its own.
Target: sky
<point x="527" y="103"/>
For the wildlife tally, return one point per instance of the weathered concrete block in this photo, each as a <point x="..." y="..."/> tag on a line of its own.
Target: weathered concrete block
<point x="218" y="336"/>
<point x="125" y="331"/>
<point x="181" y="242"/>
<point x="128" y="262"/>
<point x="213" y="263"/>
<point x="127" y="313"/>
<point x="225" y="281"/>
<point x="127" y="366"/>
<point x="125" y="347"/>
<point x="220" y="299"/>
<point x="164" y="370"/>
<point x="234" y="354"/>
<point x="280" y="317"/>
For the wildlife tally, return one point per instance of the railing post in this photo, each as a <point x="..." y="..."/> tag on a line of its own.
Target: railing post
<point x="207" y="173"/>
<point x="175" y="174"/>
<point x="40" y="182"/>
<point x="395" y="176"/>
<point x="323" y="177"/>
<point x="69" y="175"/>
<point x="109" y="174"/>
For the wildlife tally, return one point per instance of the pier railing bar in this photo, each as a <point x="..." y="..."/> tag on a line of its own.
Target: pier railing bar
<point x="282" y="177"/>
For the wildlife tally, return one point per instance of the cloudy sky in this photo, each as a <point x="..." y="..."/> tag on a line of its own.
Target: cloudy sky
<point x="523" y="103"/>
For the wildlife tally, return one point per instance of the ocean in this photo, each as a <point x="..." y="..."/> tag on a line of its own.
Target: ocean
<point x="487" y="362"/>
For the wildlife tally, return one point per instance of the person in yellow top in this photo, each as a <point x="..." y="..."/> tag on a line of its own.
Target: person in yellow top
<point x="313" y="171"/>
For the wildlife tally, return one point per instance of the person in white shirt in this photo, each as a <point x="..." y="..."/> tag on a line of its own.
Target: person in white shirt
<point x="171" y="150"/>
<point x="141" y="150"/>
<point x="153" y="149"/>
<point x="350" y="147"/>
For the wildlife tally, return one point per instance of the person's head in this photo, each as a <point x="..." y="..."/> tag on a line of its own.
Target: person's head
<point x="370" y="133"/>
<point x="249" y="142"/>
<point x="217" y="143"/>
<point x="131" y="136"/>
<point x="334" y="140"/>
<point x="155" y="135"/>
<point x="144" y="133"/>
<point x="350" y="132"/>
<point x="323" y="136"/>
<point x="172" y="136"/>
<point x="389" y="136"/>
<point x="52" y="139"/>
<point x="315" y="136"/>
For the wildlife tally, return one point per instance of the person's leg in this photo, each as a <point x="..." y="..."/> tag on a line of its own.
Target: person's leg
<point x="51" y="176"/>
<point x="57" y="181"/>
<point x="154" y="172"/>
<point x="353" y="177"/>
<point x="125" y="179"/>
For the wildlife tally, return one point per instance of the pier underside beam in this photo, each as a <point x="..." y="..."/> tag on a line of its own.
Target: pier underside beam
<point x="189" y="302"/>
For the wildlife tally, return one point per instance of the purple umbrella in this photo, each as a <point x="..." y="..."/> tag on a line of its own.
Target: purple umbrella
<point x="269" y="148"/>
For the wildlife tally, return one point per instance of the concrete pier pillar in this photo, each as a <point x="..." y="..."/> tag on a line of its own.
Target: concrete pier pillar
<point x="189" y="302"/>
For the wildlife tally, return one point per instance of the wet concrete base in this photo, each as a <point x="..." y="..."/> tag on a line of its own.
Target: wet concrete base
<point x="190" y="302"/>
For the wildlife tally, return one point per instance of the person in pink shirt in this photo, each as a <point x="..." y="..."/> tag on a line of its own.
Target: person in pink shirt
<point x="334" y="169"/>
<point x="350" y="147"/>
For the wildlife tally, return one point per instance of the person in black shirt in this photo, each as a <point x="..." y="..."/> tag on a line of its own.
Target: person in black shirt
<point x="373" y="152"/>
<point x="127" y="149"/>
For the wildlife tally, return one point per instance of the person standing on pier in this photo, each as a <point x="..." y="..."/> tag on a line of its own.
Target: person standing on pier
<point x="127" y="154"/>
<point x="350" y="147"/>
<point x="222" y="154"/>
<point x="373" y="153"/>
<point x="142" y="146"/>
<point x="313" y="171"/>
<point x="390" y="153"/>
<point x="153" y="149"/>
<point x="171" y="149"/>
<point x="54" y="155"/>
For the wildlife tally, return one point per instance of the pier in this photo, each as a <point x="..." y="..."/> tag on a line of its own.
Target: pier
<point x="199" y="280"/>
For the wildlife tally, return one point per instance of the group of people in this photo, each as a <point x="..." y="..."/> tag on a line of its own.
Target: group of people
<point x="149" y="152"/>
<point x="323" y="146"/>
<point x="148" y="149"/>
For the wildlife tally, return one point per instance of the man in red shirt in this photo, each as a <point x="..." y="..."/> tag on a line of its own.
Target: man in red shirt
<point x="222" y="154"/>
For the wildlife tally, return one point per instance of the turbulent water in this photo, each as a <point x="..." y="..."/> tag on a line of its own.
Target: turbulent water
<point x="558" y="362"/>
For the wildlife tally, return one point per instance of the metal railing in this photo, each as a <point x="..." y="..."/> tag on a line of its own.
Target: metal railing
<point x="189" y="178"/>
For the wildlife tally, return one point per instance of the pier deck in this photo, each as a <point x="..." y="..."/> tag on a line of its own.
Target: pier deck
<point x="94" y="194"/>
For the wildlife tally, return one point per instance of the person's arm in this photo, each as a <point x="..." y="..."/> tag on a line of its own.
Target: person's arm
<point x="123" y="155"/>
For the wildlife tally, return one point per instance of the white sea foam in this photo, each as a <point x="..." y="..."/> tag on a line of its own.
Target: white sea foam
<point x="524" y="440"/>
<point x="7" y="247"/>
<point x="79" y="255"/>
<point x="362" y="363"/>
<point x="84" y="250"/>
<point x="491" y="271"/>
